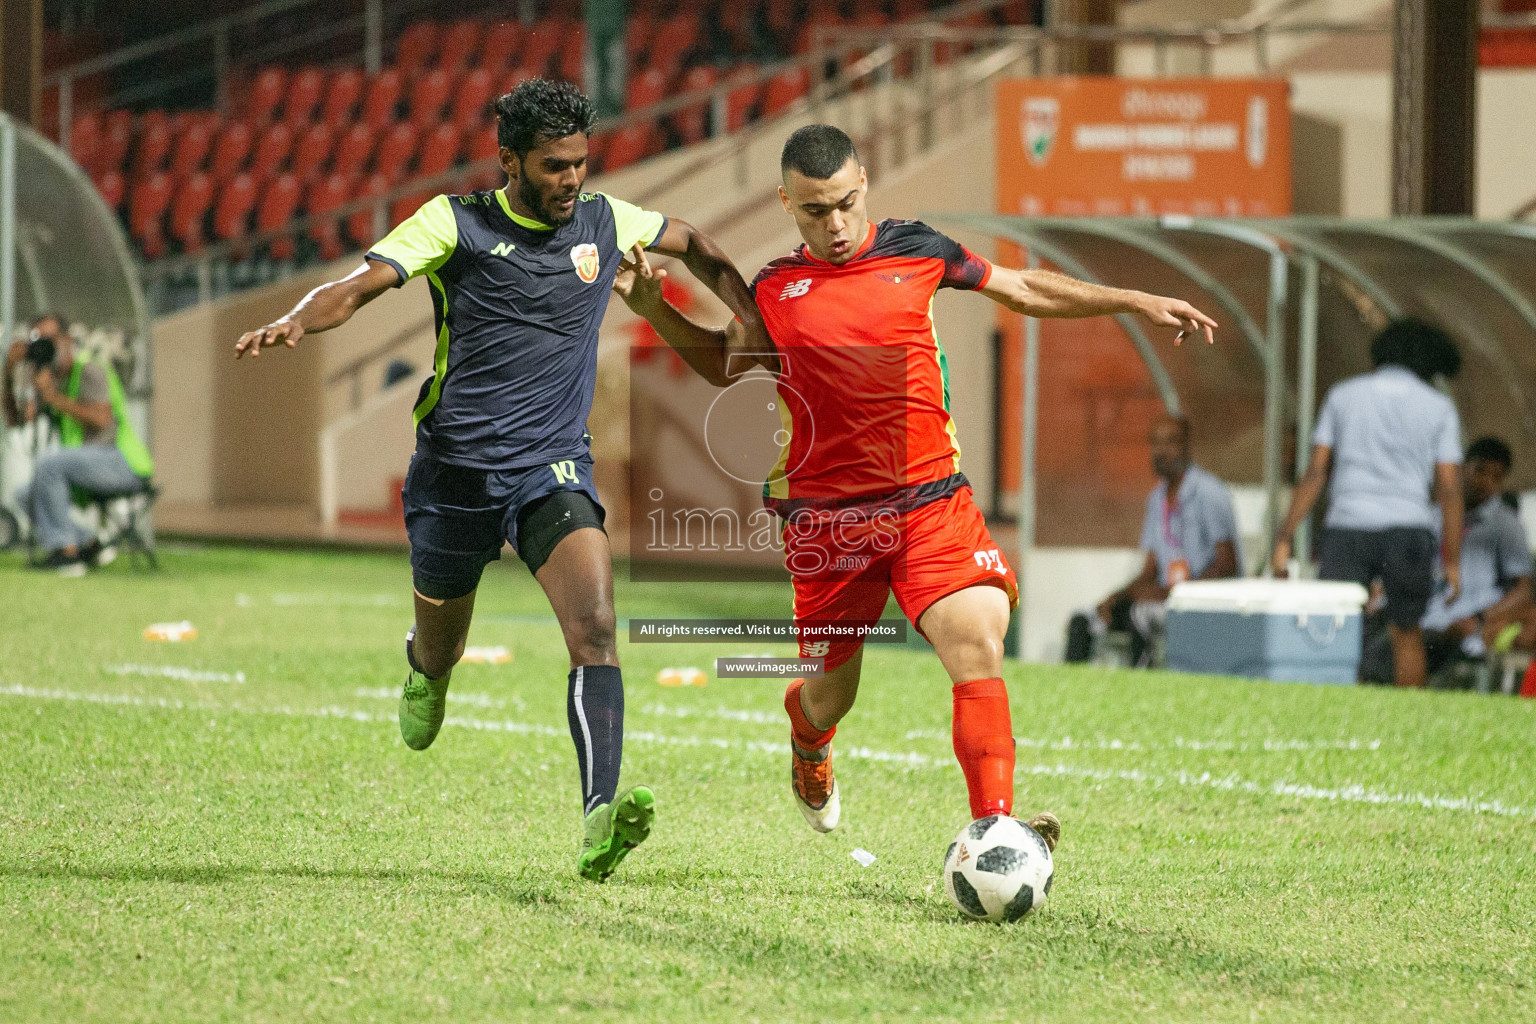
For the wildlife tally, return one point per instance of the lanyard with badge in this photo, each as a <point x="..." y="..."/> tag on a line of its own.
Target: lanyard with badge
<point x="1178" y="566"/>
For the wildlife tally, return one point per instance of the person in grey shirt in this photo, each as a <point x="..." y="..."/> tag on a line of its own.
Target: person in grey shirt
<point x="1495" y="563"/>
<point x="1189" y="531"/>
<point x="94" y="461"/>
<point x="1391" y="441"/>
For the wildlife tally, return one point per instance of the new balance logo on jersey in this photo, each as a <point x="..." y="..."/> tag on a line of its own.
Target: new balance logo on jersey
<point x="795" y="289"/>
<point x="991" y="560"/>
<point x="503" y="249"/>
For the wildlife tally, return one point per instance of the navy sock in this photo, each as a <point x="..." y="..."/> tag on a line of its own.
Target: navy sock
<point x="594" y="709"/>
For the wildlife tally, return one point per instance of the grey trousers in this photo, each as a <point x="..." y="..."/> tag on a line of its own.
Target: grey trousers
<point x="92" y="467"/>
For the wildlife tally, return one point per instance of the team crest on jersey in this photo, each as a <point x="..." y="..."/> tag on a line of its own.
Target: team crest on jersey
<point x="584" y="257"/>
<point x="1042" y="117"/>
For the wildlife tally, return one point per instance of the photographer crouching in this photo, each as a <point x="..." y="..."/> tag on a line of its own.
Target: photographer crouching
<point x="99" y="453"/>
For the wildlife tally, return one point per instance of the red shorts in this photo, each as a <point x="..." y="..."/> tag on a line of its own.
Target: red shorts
<point x="846" y="564"/>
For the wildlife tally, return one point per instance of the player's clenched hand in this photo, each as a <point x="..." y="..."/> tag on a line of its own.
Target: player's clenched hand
<point x="279" y="332"/>
<point x="638" y="283"/>
<point x="1167" y="312"/>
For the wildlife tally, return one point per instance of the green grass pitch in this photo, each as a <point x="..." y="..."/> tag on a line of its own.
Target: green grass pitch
<point x="231" y="828"/>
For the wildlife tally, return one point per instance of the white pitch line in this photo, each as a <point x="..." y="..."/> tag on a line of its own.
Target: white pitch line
<point x="186" y="675"/>
<point x="911" y="759"/>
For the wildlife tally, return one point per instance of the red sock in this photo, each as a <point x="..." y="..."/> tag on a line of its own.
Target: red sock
<point x="983" y="734"/>
<point x="806" y="734"/>
<point x="1528" y="684"/>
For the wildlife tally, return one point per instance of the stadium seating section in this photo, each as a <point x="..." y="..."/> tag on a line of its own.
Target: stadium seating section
<point x="304" y="141"/>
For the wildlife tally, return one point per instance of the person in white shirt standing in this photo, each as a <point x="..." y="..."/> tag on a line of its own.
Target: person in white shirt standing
<point x="1393" y="444"/>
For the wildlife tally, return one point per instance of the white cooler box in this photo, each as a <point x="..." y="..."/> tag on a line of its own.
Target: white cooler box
<point x="1299" y="631"/>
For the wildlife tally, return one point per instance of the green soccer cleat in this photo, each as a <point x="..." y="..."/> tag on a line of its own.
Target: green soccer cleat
<point x="423" y="703"/>
<point x="612" y="830"/>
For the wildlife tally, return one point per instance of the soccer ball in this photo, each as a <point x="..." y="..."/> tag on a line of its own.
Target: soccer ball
<point x="998" y="869"/>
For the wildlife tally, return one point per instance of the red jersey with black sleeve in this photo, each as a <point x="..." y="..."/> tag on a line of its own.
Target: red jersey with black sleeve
<point x="864" y="382"/>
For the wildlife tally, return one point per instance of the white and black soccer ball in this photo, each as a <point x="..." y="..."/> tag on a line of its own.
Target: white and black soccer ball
<point x="998" y="869"/>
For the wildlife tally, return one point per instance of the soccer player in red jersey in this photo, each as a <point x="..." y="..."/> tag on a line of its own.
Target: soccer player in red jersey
<point x="869" y="484"/>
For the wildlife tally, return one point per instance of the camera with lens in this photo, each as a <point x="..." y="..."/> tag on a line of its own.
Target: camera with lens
<point x="41" y="352"/>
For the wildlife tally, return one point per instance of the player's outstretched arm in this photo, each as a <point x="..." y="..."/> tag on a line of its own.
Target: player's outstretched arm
<point x="705" y="349"/>
<point x="1045" y="293"/>
<point x="329" y="305"/>
<point x="706" y="261"/>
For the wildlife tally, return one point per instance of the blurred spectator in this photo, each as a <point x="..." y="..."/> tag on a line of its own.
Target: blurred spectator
<point x="1495" y="564"/>
<point x="1189" y="531"/>
<point x="100" y="453"/>
<point x="1391" y="440"/>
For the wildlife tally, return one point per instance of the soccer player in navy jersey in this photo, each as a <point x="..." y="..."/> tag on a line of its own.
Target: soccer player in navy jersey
<point x="520" y="279"/>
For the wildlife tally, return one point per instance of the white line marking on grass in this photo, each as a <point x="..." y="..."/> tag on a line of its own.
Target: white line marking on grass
<point x="911" y="759"/>
<point x="186" y="675"/>
<point x="729" y="714"/>
<point x="479" y="700"/>
<point x="1178" y="743"/>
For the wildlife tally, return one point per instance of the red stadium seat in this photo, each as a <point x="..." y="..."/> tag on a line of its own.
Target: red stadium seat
<point x="483" y="146"/>
<point x="502" y="44"/>
<point x="784" y="88"/>
<point x="741" y="102"/>
<point x="650" y="86"/>
<point x="230" y="150"/>
<point x="418" y="45"/>
<point x="232" y="211"/>
<point x="428" y="97"/>
<point x="272" y="151"/>
<point x="637" y="36"/>
<point x="692" y="123"/>
<point x="110" y="185"/>
<point x="542" y="42"/>
<point x="304" y="94"/>
<point x="460" y="44"/>
<point x="633" y="143"/>
<point x="572" y="60"/>
<point x="820" y="19"/>
<point x="341" y="97"/>
<point x="360" y="226"/>
<point x="735" y="20"/>
<point x="906" y="10"/>
<point x="85" y="141"/>
<point x="154" y="143"/>
<point x="355" y="150"/>
<point x="381" y="99"/>
<point x="313" y="151"/>
<point x="406" y="205"/>
<point x="439" y="149"/>
<point x="395" y="151"/>
<point x="279" y="203"/>
<point x="472" y="99"/>
<point x="673" y="41"/>
<point x="192" y="146"/>
<point x="116" y="137"/>
<point x="329" y="193"/>
<point x="146" y="212"/>
<point x="189" y="209"/>
<point x="266" y="93"/>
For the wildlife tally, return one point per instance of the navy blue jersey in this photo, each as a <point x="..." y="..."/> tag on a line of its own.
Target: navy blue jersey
<point x="518" y="305"/>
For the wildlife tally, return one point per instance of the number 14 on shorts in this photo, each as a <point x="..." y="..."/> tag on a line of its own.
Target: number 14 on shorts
<point x="992" y="560"/>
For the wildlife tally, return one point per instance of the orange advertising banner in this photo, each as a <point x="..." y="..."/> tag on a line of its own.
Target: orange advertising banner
<point x="1115" y="147"/>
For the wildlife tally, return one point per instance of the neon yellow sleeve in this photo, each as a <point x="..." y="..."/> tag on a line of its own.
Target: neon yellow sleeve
<point x="634" y="224"/>
<point x="422" y="242"/>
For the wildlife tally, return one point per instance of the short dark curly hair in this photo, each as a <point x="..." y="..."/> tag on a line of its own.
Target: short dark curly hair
<point x="539" y="110"/>
<point x="1418" y="346"/>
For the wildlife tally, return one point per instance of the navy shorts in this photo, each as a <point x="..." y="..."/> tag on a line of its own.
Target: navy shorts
<point x="1403" y="558"/>
<point x="458" y="517"/>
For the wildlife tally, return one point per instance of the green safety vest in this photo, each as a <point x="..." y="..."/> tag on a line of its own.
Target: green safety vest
<point x="73" y="431"/>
